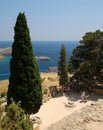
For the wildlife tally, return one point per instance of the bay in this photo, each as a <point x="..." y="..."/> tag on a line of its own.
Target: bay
<point x="50" y="49"/>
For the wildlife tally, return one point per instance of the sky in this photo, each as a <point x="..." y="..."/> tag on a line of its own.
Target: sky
<point x="52" y="20"/>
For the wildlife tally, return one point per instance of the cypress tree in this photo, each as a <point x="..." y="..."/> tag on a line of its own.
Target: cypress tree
<point x="62" y="67"/>
<point x="24" y="81"/>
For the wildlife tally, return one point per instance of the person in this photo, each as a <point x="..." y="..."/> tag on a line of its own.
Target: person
<point x="68" y="88"/>
<point x="83" y="96"/>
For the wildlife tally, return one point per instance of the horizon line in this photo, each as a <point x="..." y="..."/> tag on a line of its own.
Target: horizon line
<point x="45" y="40"/>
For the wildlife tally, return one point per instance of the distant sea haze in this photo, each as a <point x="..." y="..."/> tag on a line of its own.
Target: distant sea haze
<point x="50" y="49"/>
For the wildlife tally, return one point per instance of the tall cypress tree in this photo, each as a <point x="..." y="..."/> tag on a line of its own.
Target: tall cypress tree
<point x="24" y="81"/>
<point x="62" y="67"/>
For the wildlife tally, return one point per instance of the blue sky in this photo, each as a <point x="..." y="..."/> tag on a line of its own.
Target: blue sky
<point x="52" y="19"/>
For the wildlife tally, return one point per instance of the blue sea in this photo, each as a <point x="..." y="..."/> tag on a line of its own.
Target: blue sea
<point x="50" y="49"/>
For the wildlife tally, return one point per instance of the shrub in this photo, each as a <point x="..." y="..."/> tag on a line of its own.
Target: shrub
<point x="3" y="94"/>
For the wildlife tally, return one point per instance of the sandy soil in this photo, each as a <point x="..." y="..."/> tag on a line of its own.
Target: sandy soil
<point x="55" y="110"/>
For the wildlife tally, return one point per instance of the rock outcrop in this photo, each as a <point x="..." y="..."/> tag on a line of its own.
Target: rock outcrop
<point x="5" y="51"/>
<point x="82" y="119"/>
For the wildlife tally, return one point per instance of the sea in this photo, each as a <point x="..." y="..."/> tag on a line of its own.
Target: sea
<point x="50" y="49"/>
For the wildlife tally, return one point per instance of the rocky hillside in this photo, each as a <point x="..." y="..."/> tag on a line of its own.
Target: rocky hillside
<point x="88" y="118"/>
<point x="5" y="51"/>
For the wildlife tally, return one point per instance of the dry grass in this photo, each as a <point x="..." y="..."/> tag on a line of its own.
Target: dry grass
<point x="3" y="86"/>
<point x="49" y="79"/>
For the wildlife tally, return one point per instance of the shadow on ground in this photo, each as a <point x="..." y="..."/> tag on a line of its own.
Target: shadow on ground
<point x="73" y="96"/>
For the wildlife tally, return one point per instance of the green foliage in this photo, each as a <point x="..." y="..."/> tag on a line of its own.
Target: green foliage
<point x="45" y="91"/>
<point x="1" y="113"/>
<point x="62" y="67"/>
<point x="85" y="72"/>
<point x="24" y="81"/>
<point x="3" y="94"/>
<point x="87" y="59"/>
<point x="15" y="119"/>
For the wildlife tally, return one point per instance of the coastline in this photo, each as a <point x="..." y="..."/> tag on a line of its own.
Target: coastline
<point x="5" y="51"/>
<point x="40" y="48"/>
<point x="1" y="56"/>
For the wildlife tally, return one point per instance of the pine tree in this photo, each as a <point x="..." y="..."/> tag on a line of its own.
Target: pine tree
<point x="86" y="61"/>
<point x="62" y="67"/>
<point x="24" y="81"/>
